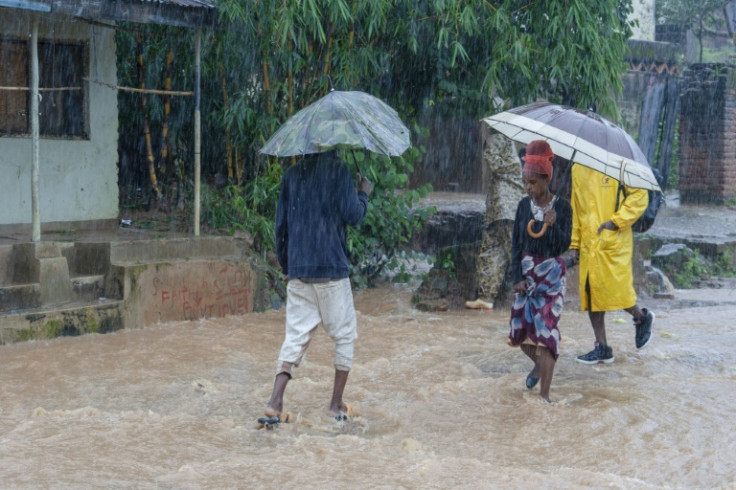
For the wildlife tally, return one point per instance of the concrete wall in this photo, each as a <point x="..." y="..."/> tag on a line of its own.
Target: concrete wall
<point x="634" y="85"/>
<point x="78" y="178"/>
<point x="191" y="290"/>
<point x="65" y="288"/>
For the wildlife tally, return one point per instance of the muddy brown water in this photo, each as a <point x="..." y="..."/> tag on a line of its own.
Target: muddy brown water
<point x="440" y="396"/>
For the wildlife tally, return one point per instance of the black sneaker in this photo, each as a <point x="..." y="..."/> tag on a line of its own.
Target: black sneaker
<point x="644" y="329"/>
<point x="602" y="354"/>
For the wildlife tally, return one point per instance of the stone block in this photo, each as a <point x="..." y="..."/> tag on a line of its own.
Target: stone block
<point x="89" y="258"/>
<point x="56" y="286"/>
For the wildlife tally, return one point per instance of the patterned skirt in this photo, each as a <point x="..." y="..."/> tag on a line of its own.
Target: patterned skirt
<point x="535" y="315"/>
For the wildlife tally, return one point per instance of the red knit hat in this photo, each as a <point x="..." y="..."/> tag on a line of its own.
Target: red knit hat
<point x="538" y="158"/>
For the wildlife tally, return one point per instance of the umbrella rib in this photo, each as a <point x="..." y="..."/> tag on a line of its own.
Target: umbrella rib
<point x="353" y="115"/>
<point x="369" y="128"/>
<point x="349" y="120"/>
<point x="570" y="136"/>
<point x="317" y="105"/>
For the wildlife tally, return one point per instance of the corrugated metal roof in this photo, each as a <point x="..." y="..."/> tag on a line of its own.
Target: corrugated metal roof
<point x="26" y="4"/>
<point x="183" y="13"/>
<point x="45" y="5"/>
<point x="184" y="3"/>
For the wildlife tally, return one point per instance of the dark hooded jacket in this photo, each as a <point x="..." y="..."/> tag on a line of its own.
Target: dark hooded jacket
<point x="318" y="200"/>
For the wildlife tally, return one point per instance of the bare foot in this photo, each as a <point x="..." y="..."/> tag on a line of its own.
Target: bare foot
<point x="272" y="412"/>
<point x="343" y="412"/>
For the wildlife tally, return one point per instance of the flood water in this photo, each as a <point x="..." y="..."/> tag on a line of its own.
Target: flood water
<point x="440" y="396"/>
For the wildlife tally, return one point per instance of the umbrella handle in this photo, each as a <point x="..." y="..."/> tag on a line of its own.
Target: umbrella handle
<point x="532" y="233"/>
<point x="355" y="160"/>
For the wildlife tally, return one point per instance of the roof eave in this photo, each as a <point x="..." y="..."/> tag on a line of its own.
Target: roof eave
<point x="141" y="12"/>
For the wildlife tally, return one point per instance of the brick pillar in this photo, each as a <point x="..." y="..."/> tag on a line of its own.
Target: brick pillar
<point x="707" y="132"/>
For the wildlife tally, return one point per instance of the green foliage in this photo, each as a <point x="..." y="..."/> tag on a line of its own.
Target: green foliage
<point x="673" y="177"/>
<point x="250" y="208"/>
<point x="392" y="216"/>
<point x="697" y="267"/>
<point x="690" y="13"/>
<point x="704" y="17"/>
<point x="693" y="269"/>
<point x="725" y="263"/>
<point x="459" y="54"/>
<point x="153" y="44"/>
<point x="446" y="260"/>
<point x="450" y="58"/>
<point x="407" y="266"/>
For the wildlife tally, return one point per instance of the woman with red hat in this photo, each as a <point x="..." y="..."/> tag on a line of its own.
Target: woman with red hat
<point x="542" y="231"/>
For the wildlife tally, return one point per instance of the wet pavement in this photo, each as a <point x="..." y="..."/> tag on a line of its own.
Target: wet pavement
<point x="695" y="222"/>
<point x="675" y="221"/>
<point x="440" y="398"/>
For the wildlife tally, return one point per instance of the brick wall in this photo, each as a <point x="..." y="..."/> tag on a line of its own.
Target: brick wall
<point x="707" y="134"/>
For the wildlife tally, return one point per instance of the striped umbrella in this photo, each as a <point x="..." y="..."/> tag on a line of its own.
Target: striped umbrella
<point x="580" y="136"/>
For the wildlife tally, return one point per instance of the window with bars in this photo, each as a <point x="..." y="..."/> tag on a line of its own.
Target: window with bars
<point x="63" y="110"/>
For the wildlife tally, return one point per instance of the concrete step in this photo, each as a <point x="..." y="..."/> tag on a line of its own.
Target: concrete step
<point x="19" y="297"/>
<point x="89" y="288"/>
<point x="69" y="319"/>
<point x="6" y="264"/>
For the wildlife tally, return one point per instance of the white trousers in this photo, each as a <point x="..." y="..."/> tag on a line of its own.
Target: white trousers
<point x="308" y="305"/>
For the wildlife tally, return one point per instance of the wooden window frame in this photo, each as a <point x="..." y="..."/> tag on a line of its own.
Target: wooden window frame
<point x="64" y="104"/>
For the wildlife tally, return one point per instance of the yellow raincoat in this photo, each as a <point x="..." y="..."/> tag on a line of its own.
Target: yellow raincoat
<point x="605" y="258"/>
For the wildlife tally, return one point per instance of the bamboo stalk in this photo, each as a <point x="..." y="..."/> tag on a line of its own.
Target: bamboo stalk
<point x="110" y="85"/>
<point x="226" y="104"/>
<point x="167" y="112"/>
<point x="238" y="166"/>
<point x="290" y="79"/>
<point x="27" y="89"/>
<point x="310" y="82"/>
<point x="326" y="68"/>
<point x="351" y="36"/>
<point x="142" y="90"/>
<point x="290" y="92"/>
<point x="146" y="128"/>
<point x="266" y="83"/>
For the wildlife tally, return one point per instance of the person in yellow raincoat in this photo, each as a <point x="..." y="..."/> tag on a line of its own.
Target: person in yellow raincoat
<point x="602" y="243"/>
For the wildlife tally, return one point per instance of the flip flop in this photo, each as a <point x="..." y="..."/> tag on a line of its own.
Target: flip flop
<point x="479" y="304"/>
<point x="269" y="422"/>
<point x="346" y="415"/>
<point x="531" y="381"/>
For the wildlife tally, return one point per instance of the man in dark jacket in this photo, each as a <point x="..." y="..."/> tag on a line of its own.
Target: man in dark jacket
<point x="317" y="202"/>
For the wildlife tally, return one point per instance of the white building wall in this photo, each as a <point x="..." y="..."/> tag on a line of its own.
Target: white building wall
<point x="644" y="12"/>
<point x="78" y="178"/>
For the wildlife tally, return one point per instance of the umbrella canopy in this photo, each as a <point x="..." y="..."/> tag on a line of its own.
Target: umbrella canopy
<point x="348" y="120"/>
<point x="581" y="136"/>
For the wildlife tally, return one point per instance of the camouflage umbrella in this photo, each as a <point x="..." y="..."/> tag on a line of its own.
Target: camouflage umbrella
<point x="348" y="120"/>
